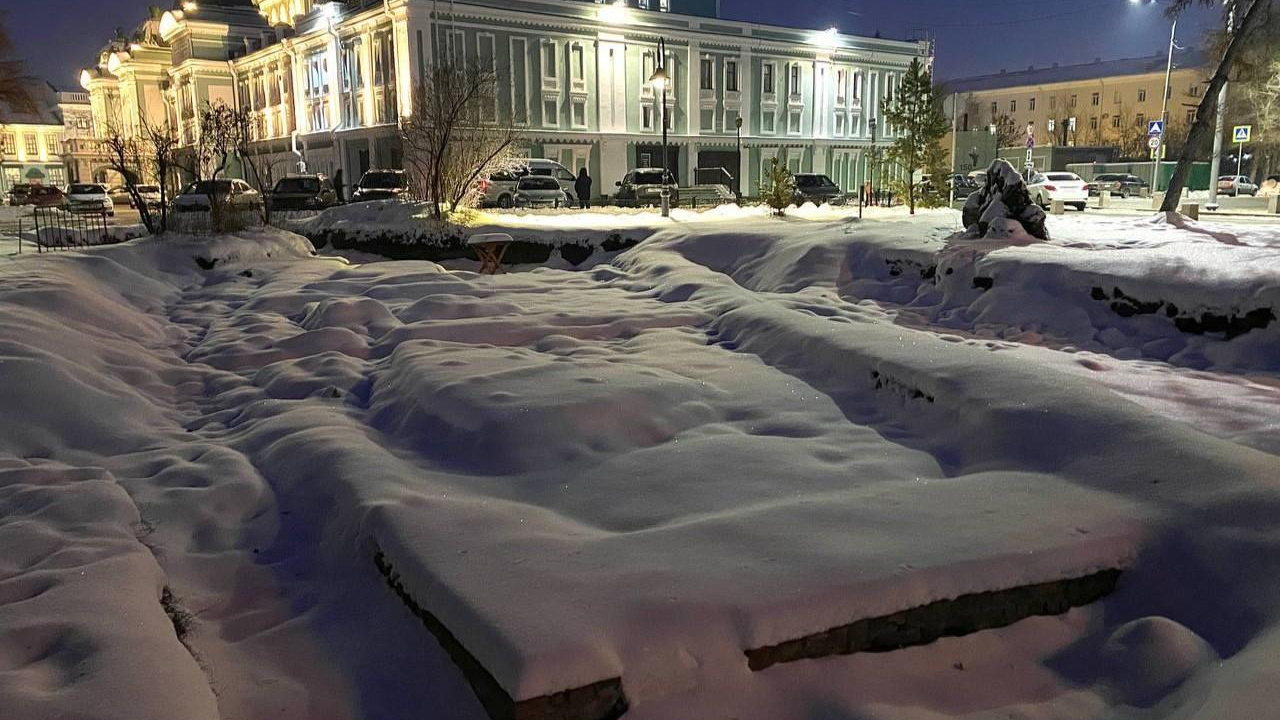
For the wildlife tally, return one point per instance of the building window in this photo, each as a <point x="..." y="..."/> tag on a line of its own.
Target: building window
<point x="841" y="91"/>
<point x="1191" y="116"/>
<point x="766" y="79"/>
<point x="549" y="114"/>
<point x="707" y="80"/>
<point x="1140" y="120"/>
<point x="793" y="79"/>
<point x="1095" y="99"/>
<point x="1072" y="104"/>
<point x="1194" y="91"/>
<point x="648" y="62"/>
<point x="840" y="122"/>
<point x="52" y="144"/>
<point x="731" y="76"/>
<point x="646" y="116"/>
<point x="1142" y="96"/>
<point x="793" y="122"/>
<point x="1116" y="98"/>
<point x="577" y="64"/>
<point x="1013" y="106"/>
<point x="1053" y="102"/>
<point x="578" y="113"/>
<point x="8" y="144"/>
<point x="1115" y="121"/>
<point x="995" y="110"/>
<point x="33" y="147"/>
<point x="768" y="122"/>
<point x="1031" y="104"/>
<point x="1093" y="123"/>
<point x="548" y="59"/>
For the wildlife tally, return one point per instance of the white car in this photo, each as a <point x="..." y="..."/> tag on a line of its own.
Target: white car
<point x="234" y="194"/>
<point x="499" y="189"/>
<point x="1067" y="187"/>
<point x="539" y="191"/>
<point x="1236" y="185"/>
<point x="150" y="195"/>
<point x="89" y="197"/>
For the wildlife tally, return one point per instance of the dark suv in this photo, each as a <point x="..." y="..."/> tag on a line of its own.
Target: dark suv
<point x="1121" y="184"/>
<point x="643" y="186"/>
<point x="381" y="185"/>
<point x="303" y="192"/>
<point x="815" y="188"/>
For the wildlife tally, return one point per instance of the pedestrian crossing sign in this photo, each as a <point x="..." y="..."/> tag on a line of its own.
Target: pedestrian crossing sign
<point x="1155" y="127"/>
<point x="1240" y="133"/>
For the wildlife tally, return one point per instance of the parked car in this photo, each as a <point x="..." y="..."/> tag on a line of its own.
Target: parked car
<point x="150" y="195"/>
<point x="539" y="191"/>
<point x="1067" y="187"/>
<point x="499" y="189"/>
<point x="962" y="186"/>
<point x="303" y="192"/>
<point x="381" y="185"/>
<point x="1236" y="185"/>
<point x="1121" y="184"/>
<point x="234" y="194"/>
<point x="643" y="186"/>
<point x="45" y="196"/>
<point x="89" y="197"/>
<point x="20" y="195"/>
<point x="815" y="188"/>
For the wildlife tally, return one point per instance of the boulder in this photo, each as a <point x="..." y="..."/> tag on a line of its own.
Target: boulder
<point x="1003" y="198"/>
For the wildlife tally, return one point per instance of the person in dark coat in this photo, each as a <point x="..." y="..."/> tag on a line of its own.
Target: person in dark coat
<point x="582" y="188"/>
<point x="337" y="186"/>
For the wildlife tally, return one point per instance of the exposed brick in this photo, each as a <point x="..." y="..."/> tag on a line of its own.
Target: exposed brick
<point x="604" y="700"/>
<point x="944" y="618"/>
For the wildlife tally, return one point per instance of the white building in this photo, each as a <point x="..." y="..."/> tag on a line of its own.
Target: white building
<point x="328" y="82"/>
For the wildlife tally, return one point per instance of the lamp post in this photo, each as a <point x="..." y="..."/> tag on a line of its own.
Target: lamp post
<point x="659" y="80"/>
<point x="874" y="160"/>
<point x="737" y="175"/>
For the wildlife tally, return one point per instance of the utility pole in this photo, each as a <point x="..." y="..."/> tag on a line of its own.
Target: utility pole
<point x="1158" y="151"/>
<point x="1218" y="125"/>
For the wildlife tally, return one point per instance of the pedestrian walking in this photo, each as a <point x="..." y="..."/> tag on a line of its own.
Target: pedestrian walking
<point x="582" y="186"/>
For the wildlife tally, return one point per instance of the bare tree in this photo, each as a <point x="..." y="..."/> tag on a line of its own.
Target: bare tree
<point x="15" y="83"/>
<point x="222" y="131"/>
<point x="1264" y="101"/>
<point x="1253" y="17"/>
<point x="456" y="136"/>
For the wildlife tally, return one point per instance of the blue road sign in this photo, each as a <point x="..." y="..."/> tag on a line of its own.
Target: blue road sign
<point x="1240" y="133"/>
<point x="1155" y="127"/>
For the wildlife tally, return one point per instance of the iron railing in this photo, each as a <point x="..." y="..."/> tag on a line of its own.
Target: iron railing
<point x="58" y="229"/>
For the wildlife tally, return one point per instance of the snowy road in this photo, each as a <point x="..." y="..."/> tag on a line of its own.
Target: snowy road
<point x="729" y="437"/>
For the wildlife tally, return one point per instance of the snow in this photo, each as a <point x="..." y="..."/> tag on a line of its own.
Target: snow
<point x="740" y="432"/>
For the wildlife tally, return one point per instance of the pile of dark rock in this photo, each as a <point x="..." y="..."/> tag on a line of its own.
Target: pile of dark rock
<point x="1002" y="207"/>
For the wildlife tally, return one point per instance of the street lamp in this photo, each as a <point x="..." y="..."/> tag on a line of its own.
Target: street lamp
<point x="737" y="182"/>
<point x="659" y="80"/>
<point x="874" y="159"/>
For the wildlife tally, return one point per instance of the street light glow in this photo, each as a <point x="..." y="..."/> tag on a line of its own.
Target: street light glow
<point x="614" y="13"/>
<point x="658" y="79"/>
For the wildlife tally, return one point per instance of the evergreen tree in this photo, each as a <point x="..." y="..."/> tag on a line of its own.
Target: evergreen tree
<point x="915" y="114"/>
<point x="778" y="188"/>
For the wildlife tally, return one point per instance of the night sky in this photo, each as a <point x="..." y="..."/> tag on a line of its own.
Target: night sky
<point x="57" y="37"/>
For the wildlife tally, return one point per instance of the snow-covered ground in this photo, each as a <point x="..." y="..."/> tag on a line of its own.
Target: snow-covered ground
<point x="740" y="432"/>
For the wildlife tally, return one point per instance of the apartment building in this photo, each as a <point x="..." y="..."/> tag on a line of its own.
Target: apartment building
<point x="1102" y="103"/>
<point x="327" y="83"/>
<point x="31" y="143"/>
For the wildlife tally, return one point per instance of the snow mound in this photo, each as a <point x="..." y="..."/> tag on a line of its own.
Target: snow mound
<point x="1150" y="657"/>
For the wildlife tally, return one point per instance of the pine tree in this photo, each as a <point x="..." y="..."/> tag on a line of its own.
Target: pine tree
<point x="778" y="188"/>
<point x="915" y="113"/>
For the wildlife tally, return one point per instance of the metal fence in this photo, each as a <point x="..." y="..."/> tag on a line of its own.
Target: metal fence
<point x="58" y="229"/>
